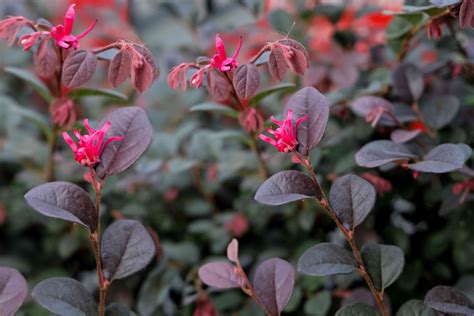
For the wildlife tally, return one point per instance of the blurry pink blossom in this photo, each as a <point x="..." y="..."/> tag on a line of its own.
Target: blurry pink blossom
<point x="63" y="33"/>
<point x="285" y="135"/>
<point x="220" y="60"/>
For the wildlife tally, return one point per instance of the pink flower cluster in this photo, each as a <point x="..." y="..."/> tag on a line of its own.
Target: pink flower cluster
<point x="285" y="136"/>
<point x="90" y="147"/>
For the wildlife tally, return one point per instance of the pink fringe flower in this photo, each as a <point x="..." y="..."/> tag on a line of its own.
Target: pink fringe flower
<point x="285" y="135"/>
<point x="90" y="147"/>
<point x="220" y="60"/>
<point x="63" y="33"/>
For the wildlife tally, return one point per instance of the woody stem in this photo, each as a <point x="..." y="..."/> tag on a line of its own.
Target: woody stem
<point x="349" y="236"/>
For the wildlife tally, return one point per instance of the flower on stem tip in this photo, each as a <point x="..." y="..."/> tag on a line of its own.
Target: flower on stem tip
<point x="89" y="148"/>
<point x="285" y="135"/>
<point x="220" y="60"/>
<point x="63" y="33"/>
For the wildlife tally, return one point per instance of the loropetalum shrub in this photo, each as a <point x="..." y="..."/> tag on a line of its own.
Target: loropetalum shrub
<point x="63" y="67"/>
<point x="126" y="246"/>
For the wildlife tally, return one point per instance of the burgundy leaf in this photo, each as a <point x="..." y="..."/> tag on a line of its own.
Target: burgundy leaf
<point x="466" y="14"/>
<point x="277" y="64"/>
<point x="64" y="200"/>
<point x="63" y="112"/>
<point x="45" y="59"/>
<point x="149" y="58"/>
<point x="285" y="187"/>
<point x="443" y="158"/>
<point x="120" y="68"/>
<point x="273" y="284"/>
<point x="221" y="275"/>
<point x="126" y="248"/>
<point x="408" y="82"/>
<point x="13" y="291"/>
<point x="142" y="76"/>
<point x="218" y="86"/>
<point x="352" y="198"/>
<point x="246" y="81"/>
<point x="381" y="152"/>
<point x="233" y="251"/>
<point x="297" y="61"/>
<point x="401" y="136"/>
<point x="251" y="120"/>
<point x="438" y="111"/>
<point x="78" y="68"/>
<point x="450" y="300"/>
<point x="364" y="106"/>
<point x="309" y="101"/>
<point x="132" y="123"/>
<point x="297" y="46"/>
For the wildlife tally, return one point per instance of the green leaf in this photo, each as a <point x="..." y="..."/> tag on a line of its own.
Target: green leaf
<point x="384" y="263"/>
<point x="30" y="78"/>
<point x="214" y="107"/>
<point x="358" y="309"/>
<point x="415" y="308"/>
<point x="265" y="93"/>
<point x="87" y="92"/>
<point x="318" y="305"/>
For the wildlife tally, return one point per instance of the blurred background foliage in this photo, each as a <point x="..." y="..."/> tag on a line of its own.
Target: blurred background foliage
<point x="194" y="187"/>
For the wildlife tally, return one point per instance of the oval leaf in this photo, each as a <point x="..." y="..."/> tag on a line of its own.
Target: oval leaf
<point x="65" y="296"/>
<point x="246" y="81"/>
<point x="116" y="309"/>
<point x="64" y="200"/>
<point x="120" y="68"/>
<point x="142" y="76"/>
<point x="221" y="275"/>
<point x="381" y="152"/>
<point x="218" y="87"/>
<point x="362" y="106"/>
<point x="401" y="136"/>
<point x="408" y="82"/>
<point x="440" y="110"/>
<point x="132" y="123"/>
<point x="466" y="14"/>
<point x="45" y="59"/>
<point x="233" y="251"/>
<point x="13" y="291"/>
<point x="448" y="299"/>
<point x="285" y="187"/>
<point x="384" y="263"/>
<point x="352" y="198"/>
<point x="273" y="284"/>
<point x="358" y="309"/>
<point x="309" y="101"/>
<point x="277" y="64"/>
<point x="78" y="68"/>
<point x="326" y="259"/>
<point x="443" y="158"/>
<point x="298" y="47"/>
<point x="126" y="248"/>
<point x="415" y="308"/>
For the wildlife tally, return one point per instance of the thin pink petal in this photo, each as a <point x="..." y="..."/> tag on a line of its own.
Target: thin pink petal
<point x="220" y="47"/>
<point x="69" y="141"/>
<point x="69" y="19"/>
<point x="237" y="51"/>
<point x="88" y="127"/>
<point x="87" y="31"/>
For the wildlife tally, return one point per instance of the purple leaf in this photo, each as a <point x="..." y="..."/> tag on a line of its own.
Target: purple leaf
<point x="298" y="47"/>
<point x="246" y="81"/>
<point x="362" y="106"/>
<point x="450" y="300"/>
<point x="233" y="251"/>
<point x="132" y="123"/>
<point x="285" y="187"/>
<point x="277" y="64"/>
<point x="309" y="101"/>
<point x="443" y="158"/>
<point x="64" y="200"/>
<point x="273" y="284"/>
<point x="326" y="259"/>
<point x="381" y="152"/>
<point x="466" y="14"/>
<point x="401" y="136"/>
<point x="219" y="87"/>
<point x="78" y="68"/>
<point x="440" y="110"/>
<point x="149" y="59"/>
<point x="45" y="59"/>
<point x="408" y="82"/>
<point x="13" y="291"/>
<point x="120" y="68"/>
<point x="65" y="296"/>
<point x="221" y="275"/>
<point x="126" y="248"/>
<point x="352" y="198"/>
